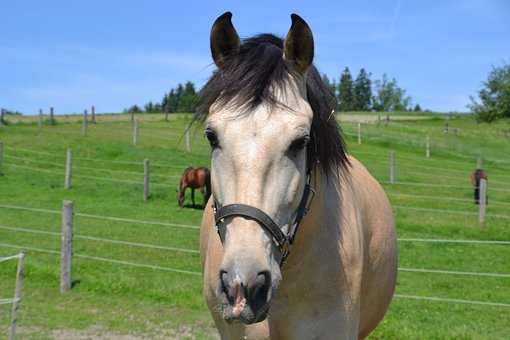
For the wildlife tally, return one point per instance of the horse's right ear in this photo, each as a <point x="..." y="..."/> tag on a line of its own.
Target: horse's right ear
<point x="298" y="45"/>
<point x="224" y="40"/>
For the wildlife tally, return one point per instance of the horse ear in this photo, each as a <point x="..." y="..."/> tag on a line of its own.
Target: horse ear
<point x="224" y="40"/>
<point x="298" y="46"/>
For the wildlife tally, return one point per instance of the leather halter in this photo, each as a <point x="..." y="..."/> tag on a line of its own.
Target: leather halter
<point x="282" y="241"/>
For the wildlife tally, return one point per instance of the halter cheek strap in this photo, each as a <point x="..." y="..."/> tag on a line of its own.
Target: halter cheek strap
<point x="282" y="241"/>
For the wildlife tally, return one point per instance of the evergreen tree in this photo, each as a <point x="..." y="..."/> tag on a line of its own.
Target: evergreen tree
<point x="345" y="91"/>
<point x="164" y="103"/>
<point x="149" y="107"/>
<point x="417" y="108"/>
<point x="172" y="101"/>
<point x="330" y="84"/>
<point x="188" y="99"/>
<point x="362" y="92"/>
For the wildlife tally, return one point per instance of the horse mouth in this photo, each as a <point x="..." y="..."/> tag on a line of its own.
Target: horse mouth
<point x="246" y="316"/>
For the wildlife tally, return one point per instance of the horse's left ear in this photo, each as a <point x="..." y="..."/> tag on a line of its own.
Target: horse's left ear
<point x="298" y="45"/>
<point x="224" y="40"/>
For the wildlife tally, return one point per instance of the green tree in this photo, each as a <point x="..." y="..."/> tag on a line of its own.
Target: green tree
<point x="149" y="107"/>
<point x="417" y="108"/>
<point x="164" y="103"/>
<point x="330" y="84"/>
<point x="134" y="109"/>
<point x="172" y="101"/>
<point x="362" y="92"/>
<point x="389" y="96"/>
<point x="345" y="91"/>
<point x="188" y="99"/>
<point x="494" y="96"/>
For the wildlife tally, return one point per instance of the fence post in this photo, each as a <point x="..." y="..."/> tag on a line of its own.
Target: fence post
<point x="69" y="169"/>
<point x="2" y="117"/>
<point x="40" y="122"/>
<point x="132" y="117"/>
<point x="392" y="167"/>
<point x="427" y="152"/>
<point x="85" y="124"/>
<point x="66" y="250"/>
<point x="359" y="133"/>
<point x="378" y="119"/>
<point x="52" y="116"/>
<point x="1" y="156"/>
<point x="135" y="132"/>
<point x="93" y="113"/>
<point x="166" y="116"/>
<point x="188" y="142"/>
<point x="482" y="201"/>
<point x="479" y="163"/>
<point x="146" y="178"/>
<point x="20" y="275"/>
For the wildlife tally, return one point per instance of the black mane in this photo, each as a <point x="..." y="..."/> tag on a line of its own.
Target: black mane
<point x="249" y="79"/>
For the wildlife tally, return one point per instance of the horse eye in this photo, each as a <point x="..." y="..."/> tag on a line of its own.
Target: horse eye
<point x="212" y="138"/>
<point x="299" y="144"/>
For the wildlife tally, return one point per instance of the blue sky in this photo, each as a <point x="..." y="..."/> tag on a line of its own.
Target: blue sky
<point x="73" y="54"/>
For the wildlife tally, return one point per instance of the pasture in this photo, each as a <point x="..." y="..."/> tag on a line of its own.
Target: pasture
<point x="136" y="266"/>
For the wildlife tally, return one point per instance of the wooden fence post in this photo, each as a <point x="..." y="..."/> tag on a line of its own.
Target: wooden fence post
<point x="135" y="132"/>
<point x="166" y="116"/>
<point x="392" y="167"/>
<point x="2" y="117"/>
<point x="66" y="250"/>
<point x="146" y="179"/>
<point x="85" y="124"/>
<point x="359" y="133"/>
<point x="427" y="152"/>
<point x="1" y="156"/>
<point x="479" y="163"/>
<point x="52" y="116"/>
<point x="188" y="141"/>
<point x="378" y="119"/>
<point x="482" y="201"/>
<point x="132" y="117"/>
<point x="20" y="276"/>
<point x="40" y="122"/>
<point x="69" y="169"/>
<point x="93" y="114"/>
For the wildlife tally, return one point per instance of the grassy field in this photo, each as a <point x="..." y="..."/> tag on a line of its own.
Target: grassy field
<point x="432" y="199"/>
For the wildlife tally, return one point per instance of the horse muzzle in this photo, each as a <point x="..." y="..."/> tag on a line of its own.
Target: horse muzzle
<point x="245" y="298"/>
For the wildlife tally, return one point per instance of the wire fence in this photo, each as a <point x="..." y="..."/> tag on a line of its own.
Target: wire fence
<point x="194" y="251"/>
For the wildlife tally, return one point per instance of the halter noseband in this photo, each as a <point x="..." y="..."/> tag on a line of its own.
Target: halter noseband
<point x="282" y="241"/>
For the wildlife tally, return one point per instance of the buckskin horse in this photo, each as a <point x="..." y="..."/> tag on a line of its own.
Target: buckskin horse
<point x="199" y="178"/>
<point x="298" y="239"/>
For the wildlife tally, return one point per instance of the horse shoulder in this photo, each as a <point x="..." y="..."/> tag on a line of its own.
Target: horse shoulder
<point x="378" y="238"/>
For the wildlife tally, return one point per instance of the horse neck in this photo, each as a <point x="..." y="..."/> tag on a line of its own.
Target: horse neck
<point x="322" y="219"/>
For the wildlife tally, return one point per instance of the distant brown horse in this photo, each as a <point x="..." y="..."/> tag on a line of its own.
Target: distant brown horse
<point x="199" y="178"/>
<point x="476" y="177"/>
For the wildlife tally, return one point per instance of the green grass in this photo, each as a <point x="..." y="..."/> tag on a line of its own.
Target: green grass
<point x="132" y="300"/>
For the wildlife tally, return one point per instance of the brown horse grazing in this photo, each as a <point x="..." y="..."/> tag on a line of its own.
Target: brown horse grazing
<point x="298" y="240"/>
<point x="199" y="178"/>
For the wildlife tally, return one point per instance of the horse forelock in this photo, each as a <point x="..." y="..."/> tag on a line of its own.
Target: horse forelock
<point x="257" y="75"/>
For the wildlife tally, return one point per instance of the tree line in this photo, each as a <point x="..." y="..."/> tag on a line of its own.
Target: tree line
<point x="363" y="94"/>
<point x="360" y="94"/>
<point x="182" y="98"/>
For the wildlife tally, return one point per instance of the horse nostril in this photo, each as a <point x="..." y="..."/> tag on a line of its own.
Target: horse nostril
<point x="259" y="292"/>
